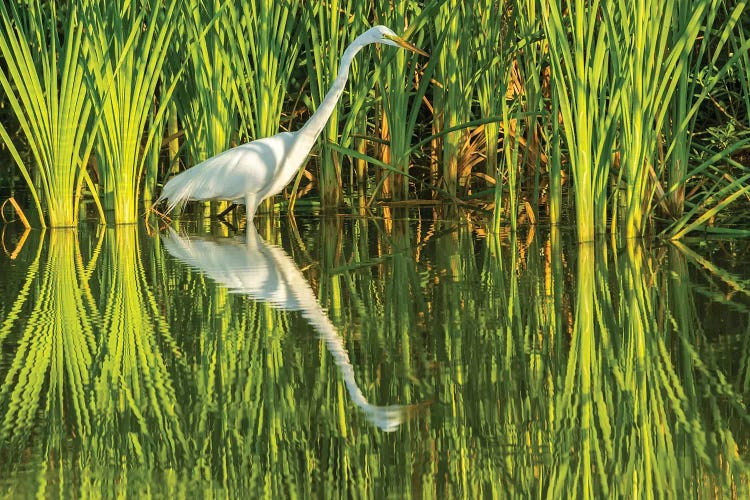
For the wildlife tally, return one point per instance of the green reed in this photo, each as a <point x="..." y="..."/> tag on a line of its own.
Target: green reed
<point x="723" y="51"/>
<point x="660" y="152"/>
<point x="204" y="99"/>
<point x="127" y="45"/>
<point x="616" y="120"/>
<point x="272" y="51"/>
<point x="588" y="100"/>
<point x="452" y="97"/>
<point x="490" y="40"/>
<point x="739" y="40"/>
<point x="691" y="92"/>
<point x="540" y="179"/>
<point x="358" y="128"/>
<point x="396" y="71"/>
<point x="648" y="70"/>
<point x="43" y="83"/>
<point x="358" y="100"/>
<point x="329" y="31"/>
<point x="523" y="109"/>
<point x="210" y="82"/>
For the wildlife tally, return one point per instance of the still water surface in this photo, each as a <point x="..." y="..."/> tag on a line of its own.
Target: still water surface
<point x="366" y="357"/>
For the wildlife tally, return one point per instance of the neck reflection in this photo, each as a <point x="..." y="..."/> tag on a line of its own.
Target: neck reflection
<point x="265" y="273"/>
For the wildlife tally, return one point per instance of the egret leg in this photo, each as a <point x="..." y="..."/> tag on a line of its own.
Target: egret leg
<point x="231" y="226"/>
<point x="250" y="207"/>
<point x="227" y="210"/>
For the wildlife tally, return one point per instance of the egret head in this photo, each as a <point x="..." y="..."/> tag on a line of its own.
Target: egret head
<point x="383" y="34"/>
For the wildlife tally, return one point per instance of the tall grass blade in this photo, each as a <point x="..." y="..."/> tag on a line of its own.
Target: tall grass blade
<point x="271" y="57"/>
<point x="588" y="98"/>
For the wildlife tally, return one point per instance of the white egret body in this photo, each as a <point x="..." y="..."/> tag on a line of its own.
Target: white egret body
<point x="252" y="172"/>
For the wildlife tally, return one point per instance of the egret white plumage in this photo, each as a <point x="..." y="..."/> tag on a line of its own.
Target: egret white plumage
<point x="252" y="172"/>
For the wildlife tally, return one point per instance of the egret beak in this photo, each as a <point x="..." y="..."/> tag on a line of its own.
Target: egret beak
<point x="406" y="45"/>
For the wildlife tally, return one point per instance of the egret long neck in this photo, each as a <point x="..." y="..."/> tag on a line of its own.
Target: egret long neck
<point x="304" y="138"/>
<point x="314" y="126"/>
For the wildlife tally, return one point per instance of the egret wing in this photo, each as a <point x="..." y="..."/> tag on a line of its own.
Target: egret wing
<point x="231" y="175"/>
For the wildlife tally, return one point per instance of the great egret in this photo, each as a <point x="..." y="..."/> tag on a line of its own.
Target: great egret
<point x="252" y="172"/>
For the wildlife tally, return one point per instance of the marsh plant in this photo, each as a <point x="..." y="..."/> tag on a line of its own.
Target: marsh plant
<point x="127" y="48"/>
<point x="623" y="117"/>
<point x="42" y="76"/>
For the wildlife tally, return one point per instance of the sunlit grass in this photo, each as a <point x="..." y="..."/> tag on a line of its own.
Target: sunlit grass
<point x="211" y="81"/>
<point x="396" y="71"/>
<point x="127" y="45"/>
<point x="330" y="28"/>
<point x="42" y="81"/>
<point x="452" y="95"/>
<point x="273" y="47"/>
<point x="587" y="94"/>
<point x="647" y="71"/>
<point x="638" y="109"/>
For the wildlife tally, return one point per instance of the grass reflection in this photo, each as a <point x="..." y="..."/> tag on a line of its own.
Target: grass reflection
<point x="46" y="381"/>
<point x="132" y="393"/>
<point x="553" y="369"/>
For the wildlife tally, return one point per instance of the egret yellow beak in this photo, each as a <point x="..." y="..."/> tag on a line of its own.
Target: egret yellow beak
<point x="406" y="45"/>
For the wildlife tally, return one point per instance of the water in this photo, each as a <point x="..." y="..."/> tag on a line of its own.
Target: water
<point x="366" y="357"/>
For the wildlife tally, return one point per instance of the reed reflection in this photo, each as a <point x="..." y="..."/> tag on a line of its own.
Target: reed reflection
<point x="265" y="273"/>
<point x="48" y="369"/>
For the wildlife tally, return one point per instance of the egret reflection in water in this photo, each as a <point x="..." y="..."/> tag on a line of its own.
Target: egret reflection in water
<point x="266" y="273"/>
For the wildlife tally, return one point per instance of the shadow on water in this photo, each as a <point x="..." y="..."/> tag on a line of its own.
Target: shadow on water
<point x="166" y="365"/>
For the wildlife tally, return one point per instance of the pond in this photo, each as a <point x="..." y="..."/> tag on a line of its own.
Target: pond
<point x="377" y="357"/>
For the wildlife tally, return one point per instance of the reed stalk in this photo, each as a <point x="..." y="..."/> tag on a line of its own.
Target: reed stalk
<point x="395" y="72"/>
<point x="329" y="31"/>
<point x="271" y="47"/>
<point x="452" y="98"/>
<point x="528" y="80"/>
<point x="127" y="46"/>
<point x="359" y="100"/>
<point x="650" y="69"/>
<point x="718" y="33"/>
<point x="151" y="163"/>
<point x="210" y="79"/>
<point x="204" y="99"/>
<point x="490" y="29"/>
<point x="720" y="50"/>
<point x="588" y="93"/>
<point x="634" y="85"/>
<point x="510" y="112"/>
